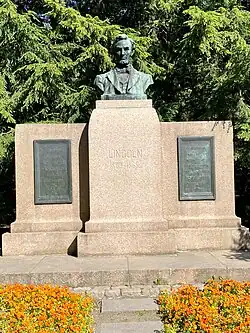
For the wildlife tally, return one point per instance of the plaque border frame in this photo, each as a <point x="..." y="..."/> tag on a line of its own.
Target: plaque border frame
<point x="196" y="196"/>
<point x="37" y="198"/>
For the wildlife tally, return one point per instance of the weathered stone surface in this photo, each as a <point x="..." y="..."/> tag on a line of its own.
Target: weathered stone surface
<point x="129" y="304"/>
<point x="133" y="192"/>
<point x="47" y="228"/>
<point x="99" y="292"/>
<point x="223" y="208"/>
<point x="131" y="292"/>
<point x="113" y="292"/>
<point x="220" y="238"/>
<point x="143" y="327"/>
<point x="39" y="243"/>
<point x="26" y="210"/>
<point x="125" y="163"/>
<point x="119" y="243"/>
<point x="152" y="272"/>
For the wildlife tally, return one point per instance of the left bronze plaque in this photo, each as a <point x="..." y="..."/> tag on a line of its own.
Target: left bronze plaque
<point x="52" y="171"/>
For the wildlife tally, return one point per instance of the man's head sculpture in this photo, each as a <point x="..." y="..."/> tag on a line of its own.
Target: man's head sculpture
<point x="123" y="48"/>
<point x="123" y="82"/>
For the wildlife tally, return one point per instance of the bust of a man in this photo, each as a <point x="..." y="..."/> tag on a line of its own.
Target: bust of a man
<point x="124" y="81"/>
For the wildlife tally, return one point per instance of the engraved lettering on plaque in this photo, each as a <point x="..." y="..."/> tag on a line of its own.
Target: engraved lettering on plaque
<point x="196" y="168"/>
<point x="52" y="171"/>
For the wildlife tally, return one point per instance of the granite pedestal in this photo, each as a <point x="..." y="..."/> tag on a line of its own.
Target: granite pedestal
<point x="47" y="228"/>
<point x="135" y="207"/>
<point x="125" y="185"/>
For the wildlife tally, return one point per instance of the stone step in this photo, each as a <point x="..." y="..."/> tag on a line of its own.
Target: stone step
<point x="128" y="305"/>
<point x="132" y="327"/>
<point x="128" y="315"/>
<point x="115" y="271"/>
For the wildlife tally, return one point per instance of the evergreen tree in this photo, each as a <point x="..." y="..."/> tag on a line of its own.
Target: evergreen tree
<point x="51" y="50"/>
<point x="47" y="70"/>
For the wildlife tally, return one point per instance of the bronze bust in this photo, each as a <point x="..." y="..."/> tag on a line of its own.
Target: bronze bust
<point x="124" y="81"/>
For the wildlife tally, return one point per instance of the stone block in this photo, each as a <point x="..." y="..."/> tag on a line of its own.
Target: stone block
<point x="144" y="276"/>
<point x="83" y="290"/>
<point x="115" y="277"/>
<point x="125" y="163"/>
<point x="128" y="304"/>
<point x="39" y="243"/>
<point x="131" y="292"/>
<point x="125" y="192"/>
<point x="117" y="243"/>
<point x="99" y="292"/>
<point x="48" y="228"/>
<point x="127" y="226"/>
<point x="222" y="209"/>
<point x="113" y="292"/>
<point x="208" y="238"/>
<point x="201" y="222"/>
<point x="145" y="327"/>
<point x="26" y="210"/>
<point x="21" y="227"/>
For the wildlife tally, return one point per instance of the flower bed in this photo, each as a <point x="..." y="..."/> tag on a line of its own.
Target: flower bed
<point x="222" y="306"/>
<point x="43" y="309"/>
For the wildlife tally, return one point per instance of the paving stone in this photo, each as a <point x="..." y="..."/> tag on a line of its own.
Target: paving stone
<point x="133" y="327"/>
<point x="164" y="288"/>
<point x="99" y="292"/>
<point x="186" y="267"/>
<point x="233" y="259"/>
<point x="19" y="264"/>
<point x="129" y="304"/>
<point x="82" y="290"/>
<point x="145" y="291"/>
<point x="131" y="292"/>
<point x="196" y="259"/>
<point x="154" y="291"/>
<point x="113" y="292"/>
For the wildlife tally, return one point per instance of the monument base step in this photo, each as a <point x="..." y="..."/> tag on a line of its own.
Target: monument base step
<point x="46" y="226"/>
<point x="96" y="226"/>
<point x="121" y="276"/>
<point x="116" y="243"/>
<point x="39" y="243"/>
<point x="162" y="242"/>
<point x="127" y="315"/>
<point x="173" y="222"/>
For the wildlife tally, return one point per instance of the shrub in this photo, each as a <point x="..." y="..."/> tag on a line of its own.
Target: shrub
<point x="43" y="309"/>
<point x="222" y="306"/>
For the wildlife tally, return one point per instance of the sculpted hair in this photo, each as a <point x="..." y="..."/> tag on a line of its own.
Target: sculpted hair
<point x="123" y="37"/>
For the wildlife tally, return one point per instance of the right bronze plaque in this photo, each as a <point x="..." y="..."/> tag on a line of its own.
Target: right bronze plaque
<point x="196" y="168"/>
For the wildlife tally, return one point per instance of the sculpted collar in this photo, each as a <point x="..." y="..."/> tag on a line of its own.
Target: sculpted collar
<point x="124" y="70"/>
<point x="113" y="78"/>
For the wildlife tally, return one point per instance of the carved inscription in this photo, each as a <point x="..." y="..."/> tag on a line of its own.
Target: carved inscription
<point x="196" y="168"/>
<point x="52" y="164"/>
<point x="125" y="158"/>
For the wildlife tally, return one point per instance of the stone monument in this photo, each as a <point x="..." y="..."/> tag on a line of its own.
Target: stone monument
<point x="141" y="201"/>
<point x="126" y="183"/>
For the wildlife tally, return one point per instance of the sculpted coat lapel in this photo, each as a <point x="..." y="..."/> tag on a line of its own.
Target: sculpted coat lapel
<point x="137" y="84"/>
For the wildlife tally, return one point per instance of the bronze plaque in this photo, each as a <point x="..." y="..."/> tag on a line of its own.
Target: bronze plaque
<point x="52" y="171"/>
<point x="196" y="168"/>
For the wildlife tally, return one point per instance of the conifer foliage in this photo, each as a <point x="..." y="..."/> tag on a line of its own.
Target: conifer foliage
<point x="47" y="68"/>
<point x="198" y="52"/>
